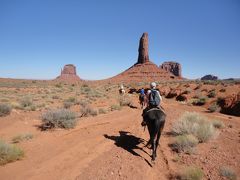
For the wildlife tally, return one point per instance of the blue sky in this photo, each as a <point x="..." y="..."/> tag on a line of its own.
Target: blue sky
<point x="38" y="37"/>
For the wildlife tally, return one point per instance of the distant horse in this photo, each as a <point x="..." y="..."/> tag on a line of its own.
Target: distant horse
<point x="142" y="100"/>
<point x="122" y="91"/>
<point x="154" y="119"/>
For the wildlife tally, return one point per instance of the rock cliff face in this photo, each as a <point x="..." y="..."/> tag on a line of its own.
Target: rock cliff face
<point x="143" y="56"/>
<point x="173" y="67"/>
<point x="69" y="73"/>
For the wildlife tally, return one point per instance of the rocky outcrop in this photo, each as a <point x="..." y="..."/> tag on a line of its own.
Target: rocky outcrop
<point x="69" y="73"/>
<point x="172" y="67"/>
<point x="230" y="105"/>
<point x="143" y="56"/>
<point x="209" y="77"/>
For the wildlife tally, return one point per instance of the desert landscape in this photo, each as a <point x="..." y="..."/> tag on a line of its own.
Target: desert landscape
<point x="70" y="128"/>
<point x="119" y="90"/>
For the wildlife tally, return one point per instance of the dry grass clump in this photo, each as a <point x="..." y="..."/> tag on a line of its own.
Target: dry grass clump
<point x="191" y="173"/>
<point x="5" y="109"/>
<point x="125" y="100"/>
<point x="218" y="124"/>
<point x="214" y="107"/>
<point x="22" y="137"/>
<point x="228" y="173"/>
<point x="200" y="101"/>
<point x="59" y="118"/>
<point x="26" y="103"/>
<point x="9" y="153"/>
<point x="88" y="111"/>
<point x="102" y="111"/>
<point x="195" y="124"/>
<point x="115" y="107"/>
<point x="185" y="143"/>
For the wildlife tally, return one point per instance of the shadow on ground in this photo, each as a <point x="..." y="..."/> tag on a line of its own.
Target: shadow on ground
<point x="128" y="142"/>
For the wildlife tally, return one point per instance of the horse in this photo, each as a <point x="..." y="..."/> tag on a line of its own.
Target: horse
<point x="142" y="100"/>
<point x="122" y="91"/>
<point x="154" y="119"/>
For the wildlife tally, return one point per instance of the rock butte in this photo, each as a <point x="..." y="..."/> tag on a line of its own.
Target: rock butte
<point x="145" y="70"/>
<point x="69" y="73"/>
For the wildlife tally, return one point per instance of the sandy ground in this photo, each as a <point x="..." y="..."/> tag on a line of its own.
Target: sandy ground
<point x="111" y="146"/>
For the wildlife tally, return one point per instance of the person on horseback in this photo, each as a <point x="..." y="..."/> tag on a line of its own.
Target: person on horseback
<point x="153" y="100"/>
<point x="154" y="97"/>
<point x="142" y="98"/>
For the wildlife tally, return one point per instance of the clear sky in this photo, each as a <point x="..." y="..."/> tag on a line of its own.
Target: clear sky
<point x="38" y="37"/>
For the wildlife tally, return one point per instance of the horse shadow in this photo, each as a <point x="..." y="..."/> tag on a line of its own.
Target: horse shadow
<point x="129" y="143"/>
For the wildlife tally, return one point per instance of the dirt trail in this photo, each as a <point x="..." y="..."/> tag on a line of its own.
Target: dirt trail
<point x="109" y="146"/>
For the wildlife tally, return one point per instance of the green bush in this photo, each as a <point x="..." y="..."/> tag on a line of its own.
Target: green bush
<point x="5" y="109"/>
<point x="185" y="143"/>
<point x="228" y="173"/>
<point x="192" y="173"/>
<point x="195" y="124"/>
<point x="59" y="118"/>
<point x="22" y="137"/>
<point x="9" y="153"/>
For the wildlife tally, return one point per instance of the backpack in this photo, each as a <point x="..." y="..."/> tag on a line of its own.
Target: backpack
<point x="154" y="99"/>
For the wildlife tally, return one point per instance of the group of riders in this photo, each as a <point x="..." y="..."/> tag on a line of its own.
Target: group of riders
<point x="149" y="98"/>
<point x="153" y="115"/>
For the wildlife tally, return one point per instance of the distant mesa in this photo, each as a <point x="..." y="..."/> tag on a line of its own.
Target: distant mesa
<point x="145" y="70"/>
<point x="209" y="77"/>
<point x="69" y="73"/>
<point x="172" y="67"/>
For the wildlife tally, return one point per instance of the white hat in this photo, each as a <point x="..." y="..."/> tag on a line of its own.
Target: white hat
<point x="153" y="85"/>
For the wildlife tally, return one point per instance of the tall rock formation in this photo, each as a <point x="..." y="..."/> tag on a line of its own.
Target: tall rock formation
<point x="172" y="67"/>
<point x="144" y="70"/>
<point x="69" y="73"/>
<point x="143" y="56"/>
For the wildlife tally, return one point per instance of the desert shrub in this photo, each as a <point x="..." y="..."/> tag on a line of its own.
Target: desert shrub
<point x="228" y="173"/>
<point x="213" y="107"/>
<point x="102" y="111"/>
<point x="192" y="173"/>
<point x="58" y="85"/>
<point x="205" y="131"/>
<point x="185" y="143"/>
<point x="22" y="137"/>
<point x="187" y="91"/>
<point x="211" y="94"/>
<point x="59" y="118"/>
<point x="88" y="111"/>
<point x="5" y="109"/>
<point x="115" y="107"/>
<point x="200" y="101"/>
<point x="26" y="102"/>
<point x="9" y="153"/>
<point x="222" y="90"/>
<point x="125" y="101"/>
<point x="72" y="99"/>
<point x="67" y="104"/>
<point x="195" y="124"/>
<point x="55" y="97"/>
<point x="218" y="124"/>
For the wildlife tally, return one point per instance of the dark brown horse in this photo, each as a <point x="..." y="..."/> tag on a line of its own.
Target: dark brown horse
<point x="142" y="100"/>
<point x="154" y="119"/>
